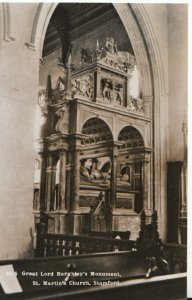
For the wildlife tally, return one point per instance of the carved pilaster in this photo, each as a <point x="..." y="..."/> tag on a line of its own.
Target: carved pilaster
<point x="53" y="196"/>
<point x="97" y="76"/>
<point x="75" y="177"/>
<point x="62" y="179"/>
<point x="146" y="182"/>
<point x="127" y="90"/>
<point x="48" y="182"/>
<point x="42" y="183"/>
<point x="69" y="64"/>
<point x="114" y="156"/>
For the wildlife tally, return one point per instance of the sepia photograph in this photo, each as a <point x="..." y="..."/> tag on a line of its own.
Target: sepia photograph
<point x="93" y="155"/>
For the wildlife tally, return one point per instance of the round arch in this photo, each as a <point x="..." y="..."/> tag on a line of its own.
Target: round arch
<point x="131" y="137"/>
<point x="136" y="128"/>
<point x="99" y="119"/>
<point x="98" y="129"/>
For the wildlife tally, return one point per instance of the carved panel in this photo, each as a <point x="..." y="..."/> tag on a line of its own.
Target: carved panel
<point x="82" y="87"/>
<point x="135" y="105"/>
<point x="95" y="170"/>
<point x="86" y="201"/>
<point x="100" y="215"/>
<point x="112" y="91"/>
<point x="129" y="222"/>
<point x="125" y="201"/>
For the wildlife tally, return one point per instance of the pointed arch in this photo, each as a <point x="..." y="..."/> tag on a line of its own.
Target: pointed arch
<point x="153" y="73"/>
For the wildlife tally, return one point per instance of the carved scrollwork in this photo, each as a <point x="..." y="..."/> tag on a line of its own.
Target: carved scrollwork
<point x="63" y="121"/>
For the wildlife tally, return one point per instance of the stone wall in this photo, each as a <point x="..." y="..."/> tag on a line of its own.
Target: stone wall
<point x="18" y="95"/>
<point x="178" y="72"/>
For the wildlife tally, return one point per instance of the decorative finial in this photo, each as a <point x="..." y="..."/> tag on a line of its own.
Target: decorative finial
<point x="49" y="88"/>
<point x="97" y="45"/>
<point x="68" y="64"/>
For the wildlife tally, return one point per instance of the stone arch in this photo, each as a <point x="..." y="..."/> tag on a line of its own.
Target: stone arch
<point x="140" y="30"/>
<point x="40" y="24"/>
<point x="131" y="137"/>
<point x="125" y="12"/>
<point x="98" y="129"/>
<point x="99" y="118"/>
<point x="6" y="22"/>
<point x="137" y="128"/>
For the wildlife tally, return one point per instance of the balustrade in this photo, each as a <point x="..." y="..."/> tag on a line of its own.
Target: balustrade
<point x="62" y="245"/>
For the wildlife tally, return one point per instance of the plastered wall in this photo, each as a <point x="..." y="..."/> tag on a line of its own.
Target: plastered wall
<point x="178" y="71"/>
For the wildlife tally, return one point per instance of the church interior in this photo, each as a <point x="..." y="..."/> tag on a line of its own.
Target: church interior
<point x="93" y="104"/>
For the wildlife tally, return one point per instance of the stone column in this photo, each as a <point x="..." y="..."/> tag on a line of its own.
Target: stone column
<point x="184" y="173"/>
<point x="97" y="76"/>
<point x="147" y="105"/>
<point x="69" y="64"/>
<point x="75" y="177"/>
<point x="42" y="196"/>
<point x="127" y="90"/>
<point x="48" y="182"/>
<point x="146" y="179"/>
<point x="113" y="176"/>
<point x="52" y="191"/>
<point x="62" y="179"/>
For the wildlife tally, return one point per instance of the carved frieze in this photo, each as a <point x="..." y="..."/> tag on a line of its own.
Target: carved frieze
<point x="82" y="87"/>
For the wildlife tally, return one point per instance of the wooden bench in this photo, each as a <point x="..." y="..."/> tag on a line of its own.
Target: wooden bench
<point x="102" y="275"/>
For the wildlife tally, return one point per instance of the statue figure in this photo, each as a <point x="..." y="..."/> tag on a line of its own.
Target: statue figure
<point x="107" y="89"/>
<point x="111" y="45"/>
<point x="85" y="169"/>
<point x="119" y="94"/>
<point x="41" y="97"/>
<point x="86" y="55"/>
<point x="95" y="173"/>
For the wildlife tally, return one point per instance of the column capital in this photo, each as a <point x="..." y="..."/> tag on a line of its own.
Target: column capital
<point x="115" y="152"/>
<point x="114" y="148"/>
<point x="62" y="150"/>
